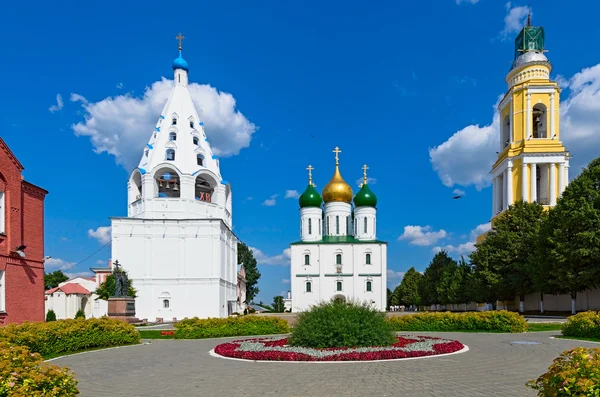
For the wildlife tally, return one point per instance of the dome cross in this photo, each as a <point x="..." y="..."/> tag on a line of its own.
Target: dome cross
<point x="365" y="168"/>
<point x="180" y="37"/>
<point x="310" y="169"/>
<point x="337" y="151"/>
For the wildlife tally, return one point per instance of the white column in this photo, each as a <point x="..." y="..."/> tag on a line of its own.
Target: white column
<point x="528" y="116"/>
<point x="552" y="167"/>
<point x="561" y="178"/>
<point x="509" y="184"/>
<point x="566" y="175"/>
<point x="494" y="196"/>
<point x="551" y="115"/>
<point x="504" y="196"/>
<point x="510" y="118"/>
<point x="524" y="192"/>
<point x="533" y="182"/>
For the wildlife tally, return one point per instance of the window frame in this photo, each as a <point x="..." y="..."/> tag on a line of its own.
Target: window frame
<point x="172" y="136"/>
<point x="195" y="140"/>
<point x="338" y="258"/>
<point x="2" y="212"/>
<point x="369" y="286"/>
<point x="166" y="303"/>
<point x="339" y="286"/>
<point x="365" y="225"/>
<point x="308" y="287"/>
<point x="167" y="154"/>
<point x="368" y="258"/>
<point x="306" y="259"/>
<point x="309" y="226"/>
<point x="337" y="224"/>
<point x="2" y="291"/>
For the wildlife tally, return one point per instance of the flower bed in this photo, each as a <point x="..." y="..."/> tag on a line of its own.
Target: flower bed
<point x="195" y="328"/>
<point x="277" y="349"/>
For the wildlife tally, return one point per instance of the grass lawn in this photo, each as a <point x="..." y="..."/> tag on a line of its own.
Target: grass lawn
<point x="154" y="334"/>
<point x="538" y="327"/>
<point x="61" y="354"/>
<point x="576" y="338"/>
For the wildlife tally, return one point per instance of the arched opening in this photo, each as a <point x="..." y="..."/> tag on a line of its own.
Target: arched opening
<point x="368" y="258"/>
<point x="165" y="300"/>
<point x="200" y="159"/>
<point x="172" y="136"/>
<point x="338" y="259"/>
<point x="506" y="131"/>
<point x="369" y="286"/>
<point x="308" y="286"/>
<point x="135" y="186"/>
<point x="306" y="259"/>
<point x="191" y="123"/>
<point x="205" y="188"/>
<point x="174" y="119"/>
<point x="539" y="119"/>
<point x="338" y="285"/>
<point x="309" y="226"/>
<point x="195" y="140"/>
<point x="168" y="183"/>
<point x="170" y="155"/>
<point x="365" y="224"/>
<point x="166" y="303"/>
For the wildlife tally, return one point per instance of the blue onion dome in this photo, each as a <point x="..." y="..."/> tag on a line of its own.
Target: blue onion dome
<point x="365" y="197"/>
<point x="180" y="63"/>
<point x="310" y="197"/>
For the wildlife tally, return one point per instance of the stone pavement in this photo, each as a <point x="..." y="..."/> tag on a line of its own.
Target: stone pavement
<point x="494" y="366"/>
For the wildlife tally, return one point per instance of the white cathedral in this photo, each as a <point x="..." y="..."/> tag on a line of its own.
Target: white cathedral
<point x="338" y="256"/>
<point x="176" y="242"/>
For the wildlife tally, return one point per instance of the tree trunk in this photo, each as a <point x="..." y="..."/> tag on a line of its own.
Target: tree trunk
<point x="573" y="302"/>
<point x="541" y="302"/>
<point x="521" y="303"/>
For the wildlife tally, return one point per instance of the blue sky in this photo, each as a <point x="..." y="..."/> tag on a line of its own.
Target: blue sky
<point x="407" y="88"/>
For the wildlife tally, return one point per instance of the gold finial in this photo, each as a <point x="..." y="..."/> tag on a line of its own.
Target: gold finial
<point x="310" y="168"/>
<point x="365" y="168"/>
<point x="180" y="37"/>
<point x="337" y="151"/>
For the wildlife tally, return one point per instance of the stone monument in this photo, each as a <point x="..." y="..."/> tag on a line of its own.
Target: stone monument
<point x="120" y="305"/>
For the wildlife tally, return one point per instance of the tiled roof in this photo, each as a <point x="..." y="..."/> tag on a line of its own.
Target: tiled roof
<point x="72" y="288"/>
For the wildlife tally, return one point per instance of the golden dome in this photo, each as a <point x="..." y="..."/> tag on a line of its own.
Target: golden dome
<point x="337" y="189"/>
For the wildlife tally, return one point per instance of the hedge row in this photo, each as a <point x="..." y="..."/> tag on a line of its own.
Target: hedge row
<point x="68" y="336"/>
<point x="583" y="325"/>
<point x="491" y="321"/>
<point x="23" y="373"/>
<point x="195" y="328"/>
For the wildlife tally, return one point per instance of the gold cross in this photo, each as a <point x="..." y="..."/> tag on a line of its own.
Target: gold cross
<point x="310" y="168"/>
<point x="365" y="168"/>
<point x="180" y="38"/>
<point x="337" y="151"/>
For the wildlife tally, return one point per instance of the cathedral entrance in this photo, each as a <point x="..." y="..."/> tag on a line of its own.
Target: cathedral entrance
<point x="339" y="298"/>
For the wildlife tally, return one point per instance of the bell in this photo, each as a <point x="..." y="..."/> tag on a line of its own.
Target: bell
<point x="168" y="186"/>
<point x="176" y="187"/>
<point x="160" y="183"/>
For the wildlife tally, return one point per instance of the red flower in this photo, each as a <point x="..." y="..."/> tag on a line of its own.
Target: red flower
<point x="167" y="333"/>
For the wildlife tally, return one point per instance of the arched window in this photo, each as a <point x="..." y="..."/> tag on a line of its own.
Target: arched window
<point x="347" y="225"/>
<point x="539" y="120"/>
<point x="337" y="224"/>
<point x="195" y="140"/>
<point x="368" y="259"/>
<point x="327" y="226"/>
<point x="166" y="303"/>
<point x="170" y="155"/>
<point x="506" y="131"/>
<point x="172" y="136"/>
<point x="174" y="121"/>
<point x="205" y="187"/>
<point x="338" y="286"/>
<point x="309" y="226"/>
<point x="369" y="286"/>
<point x="200" y="159"/>
<point x="365" y="224"/>
<point x="306" y="259"/>
<point x="308" y="286"/>
<point x="338" y="259"/>
<point x="191" y="123"/>
<point x="168" y="184"/>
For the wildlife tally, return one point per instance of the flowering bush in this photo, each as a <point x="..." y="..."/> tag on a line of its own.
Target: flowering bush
<point x="583" y="325"/>
<point x="492" y="321"/>
<point x="341" y="324"/>
<point x="68" y="336"/>
<point x="279" y="350"/>
<point x="195" y="328"/>
<point x="575" y="372"/>
<point x="23" y="373"/>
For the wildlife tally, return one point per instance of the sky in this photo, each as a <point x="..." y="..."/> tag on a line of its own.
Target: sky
<point x="408" y="88"/>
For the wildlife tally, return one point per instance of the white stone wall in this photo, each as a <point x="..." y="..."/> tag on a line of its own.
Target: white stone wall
<point x="360" y="214"/>
<point x="338" y="211"/>
<point x="312" y="231"/>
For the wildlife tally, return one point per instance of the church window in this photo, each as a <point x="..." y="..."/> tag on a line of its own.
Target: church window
<point x="2" y="292"/>
<point x="306" y="259"/>
<point x="166" y="303"/>
<point x="174" y="122"/>
<point x="195" y="140"/>
<point x="308" y="286"/>
<point x="365" y="224"/>
<point x="199" y="159"/>
<point x="327" y="228"/>
<point x="2" y="212"/>
<point x="170" y="155"/>
<point x="539" y="120"/>
<point x="146" y="152"/>
<point x="191" y="123"/>
<point x="347" y="225"/>
<point x="338" y="259"/>
<point x="368" y="259"/>
<point x="172" y="136"/>
<point x="506" y="131"/>
<point x="338" y="286"/>
<point x="369" y="286"/>
<point x="337" y="224"/>
<point x="309" y="226"/>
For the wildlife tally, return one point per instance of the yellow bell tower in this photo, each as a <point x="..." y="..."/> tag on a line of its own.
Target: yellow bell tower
<point x="532" y="163"/>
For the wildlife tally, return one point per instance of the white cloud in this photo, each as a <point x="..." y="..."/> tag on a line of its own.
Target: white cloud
<point x="370" y="181"/>
<point x="421" y="235"/>
<point x="514" y="20"/>
<point x="391" y="274"/>
<point x="121" y="125"/>
<point x="264" y="259"/>
<point x="479" y="230"/>
<point x="102" y="234"/>
<point x="63" y="238"/>
<point x="459" y="192"/>
<point x="79" y="274"/>
<point x="270" y="202"/>
<point x="59" y="104"/>
<point x="291" y="194"/>
<point x="467" y="1"/>
<point x="285" y="281"/>
<point x="58" y="264"/>
<point x="102" y="262"/>
<point x="120" y="85"/>
<point x="469" y="246"/>
<point x="78" y="98"/>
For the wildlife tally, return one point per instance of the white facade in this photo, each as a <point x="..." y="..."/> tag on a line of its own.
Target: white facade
<point x="73" y="295"/>
<point x="176" y="242"/>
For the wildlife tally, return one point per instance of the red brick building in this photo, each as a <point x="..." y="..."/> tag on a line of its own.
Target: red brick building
<point x="21" y="243"/>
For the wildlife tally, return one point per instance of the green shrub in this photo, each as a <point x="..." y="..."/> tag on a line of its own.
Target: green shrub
<point x="68" y="336"/>
<point x="50" y="316"/>
<point x="80" y="314"/>
<point x="195" y="328"/>
<point x="23" y="373"/>
<point x="575" y="372"/>
<point x="491" y="321"/>
<point x="583" y="325"/>
<point x="339" y="324"/>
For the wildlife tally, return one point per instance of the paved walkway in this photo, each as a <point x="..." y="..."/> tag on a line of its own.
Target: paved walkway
<point x="494" y="366"/>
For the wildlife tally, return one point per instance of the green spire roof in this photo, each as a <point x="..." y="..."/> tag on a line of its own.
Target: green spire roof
<point x="310" y="197"/>
<point x="531" y="38"/>
<point x="365" y="197"/>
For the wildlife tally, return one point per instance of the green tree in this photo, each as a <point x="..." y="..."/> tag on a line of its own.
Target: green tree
<point x="107" y="288"/>
<point x="50" y="316"/>
<point x="465" y="273"/>
<point x="278" y="305"/>
<point x="571" y="240"/>
<point x="51" y="280"/>
<point x="505" y="261"/>
<point x="246" y="258"/>
<point x="389" y="297"/>
<point x="80" y="314"/>
<point x="408" y="290"/>
<point x="432" y="277"/>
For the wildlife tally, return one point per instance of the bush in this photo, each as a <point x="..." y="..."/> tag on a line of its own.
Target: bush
<point x="68" y="336"/>
<point x="50" y="316"/>
<point x="491" y="321"/>
<point x="575" y="372"/>
<point x="195" y="328"/>
<point x="23" y="373"/>
<point x="339" y="324"/>
<point x="583" y="325"/>
<point x="80" y="314"/>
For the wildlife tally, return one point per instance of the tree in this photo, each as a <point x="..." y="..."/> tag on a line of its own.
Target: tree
<point x="80" y="314"/>
<point x="107" y="288"/>
<point x="278" y="305"/>
<point x="246" y="258"/>
<point x="389" y="297"/>
<point x="504" y="262"/>
<point x="571" y="240"/>
<point x="51" y="280"/>
<point x="50" y="316"/>
<point x="408" y="290"/>
<point x="432" y="277"/>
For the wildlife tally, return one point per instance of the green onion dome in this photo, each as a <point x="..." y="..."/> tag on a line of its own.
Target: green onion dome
<point x="310" y="197"/>
<point x="365" y="197"/>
